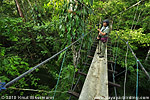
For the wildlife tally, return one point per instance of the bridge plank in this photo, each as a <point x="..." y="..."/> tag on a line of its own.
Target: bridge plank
<point x="96" y="82"/>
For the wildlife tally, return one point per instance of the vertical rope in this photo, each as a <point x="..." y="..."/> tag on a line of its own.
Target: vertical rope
<point x="115" y="58"/>
<point x="138" y="19"/>
<point x="75" y="68"/>
<point x="115" y="67"/>
<point x="134" y="16"/>
<point x="139" y="16"/>
<point x="125" y="73"/>
<point x="59" y="75"/>
<point x="137" y="82"/>
<point x="82" y="69"/>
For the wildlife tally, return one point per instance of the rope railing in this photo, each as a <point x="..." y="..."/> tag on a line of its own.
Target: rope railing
<point x="59" y="75"/>
<point x="73" y="88"/>
<point x="45" y="61"/>
<point x="127" y="43"/>
<point x="137" y="81"/>
<point x="4" y="86"/>
<point x="129" y="8"/>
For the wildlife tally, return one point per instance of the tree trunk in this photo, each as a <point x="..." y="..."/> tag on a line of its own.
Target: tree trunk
<point x="19" y="9"/>
<point x="24" y="10"/>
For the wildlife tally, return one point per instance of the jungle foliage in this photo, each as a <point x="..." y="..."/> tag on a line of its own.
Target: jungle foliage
<point x="48" y="26"/>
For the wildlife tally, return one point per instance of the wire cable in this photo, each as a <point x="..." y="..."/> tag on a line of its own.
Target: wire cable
<point x="125" y="72"/>
<point x="127" y="53"/>
<point x="76" y="67"/>
<point x="115" y="67"/>
<point x="137" y="82"/>
<point x="115" y="58"/>
<point x="138" y="18"/>
<point x="129" y="8"/>
<point x="45" y="61"/>
<point x="59" y="75"/>
<point x="80" y="75"/>
<point x="134" y="17"/>
<point x="135" y="56"/>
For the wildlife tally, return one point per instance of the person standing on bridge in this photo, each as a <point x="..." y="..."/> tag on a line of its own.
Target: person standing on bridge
<point x="103" y="36"/>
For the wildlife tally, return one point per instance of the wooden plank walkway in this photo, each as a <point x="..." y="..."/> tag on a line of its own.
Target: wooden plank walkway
<point x="96" y="82"/>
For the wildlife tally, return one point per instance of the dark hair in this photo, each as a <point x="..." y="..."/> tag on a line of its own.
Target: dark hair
<point x="106" y="21"/>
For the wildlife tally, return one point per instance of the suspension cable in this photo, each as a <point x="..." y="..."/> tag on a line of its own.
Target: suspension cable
<point x="75" y="68"/>
<point x="137" y="81"/>
<point x="125" y="72"/>
<point x="129" y="8"/>
<point x="139" y="16"/>
<point x="135" y="56"/>
<point x="81" y="71"/>
<point x="115" y="58"/>
<point x="115" y="66"/>
<point x="135" y="16"/>
<point x="45" y="61"/>
<point x="59" y="75"/>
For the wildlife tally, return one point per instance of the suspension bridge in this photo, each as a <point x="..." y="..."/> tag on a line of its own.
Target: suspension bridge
<point x="97" y="83"/>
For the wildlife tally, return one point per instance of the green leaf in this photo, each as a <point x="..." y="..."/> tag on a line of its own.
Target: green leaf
<point x="15" y="62"/>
